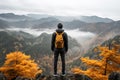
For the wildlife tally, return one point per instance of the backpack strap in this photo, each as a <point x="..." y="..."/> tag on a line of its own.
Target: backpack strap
<point x="59" y="33"/>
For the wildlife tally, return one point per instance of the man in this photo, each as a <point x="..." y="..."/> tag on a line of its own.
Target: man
<point x="59" y="48"/>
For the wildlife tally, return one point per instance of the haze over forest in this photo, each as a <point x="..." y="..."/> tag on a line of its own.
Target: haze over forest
<point x="27" y="26"/>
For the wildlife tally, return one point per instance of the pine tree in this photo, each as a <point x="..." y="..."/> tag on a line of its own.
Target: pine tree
<point x="100" y="69"/>
<point x="19" y="64"/>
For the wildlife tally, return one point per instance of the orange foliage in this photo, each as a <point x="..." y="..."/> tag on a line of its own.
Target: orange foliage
<point x="92" y="62"/>
<point x="19" y="64"/>
<point x="110" y="60"/>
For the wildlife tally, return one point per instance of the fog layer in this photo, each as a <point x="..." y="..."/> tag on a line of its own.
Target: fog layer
<point x="80" y="36"/>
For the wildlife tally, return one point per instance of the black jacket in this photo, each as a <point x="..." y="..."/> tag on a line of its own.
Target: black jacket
<point x="65" y="37"/>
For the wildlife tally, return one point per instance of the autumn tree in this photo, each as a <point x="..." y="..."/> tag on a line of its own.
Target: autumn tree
<point x="100" y="69"/>
<point x="19" y="64"/>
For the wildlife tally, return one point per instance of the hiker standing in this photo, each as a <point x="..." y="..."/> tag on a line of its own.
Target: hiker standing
<point x="59" y="45"/>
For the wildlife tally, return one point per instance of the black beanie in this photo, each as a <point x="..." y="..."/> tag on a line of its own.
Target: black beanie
<point x="60" y="26"/>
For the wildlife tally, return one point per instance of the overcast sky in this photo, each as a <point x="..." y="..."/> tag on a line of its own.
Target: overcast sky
<point x="102" y="8"/>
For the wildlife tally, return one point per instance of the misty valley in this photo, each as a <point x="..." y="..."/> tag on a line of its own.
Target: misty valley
<point x="31" y="34"/>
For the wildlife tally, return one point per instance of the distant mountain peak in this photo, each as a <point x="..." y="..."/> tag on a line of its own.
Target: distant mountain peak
<point x="14" y="17"/>
<point x="94" y="19"/>
<point x="8" y="15"/>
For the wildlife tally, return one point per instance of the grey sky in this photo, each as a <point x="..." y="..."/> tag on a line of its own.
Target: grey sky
<point x="102" y="8"/>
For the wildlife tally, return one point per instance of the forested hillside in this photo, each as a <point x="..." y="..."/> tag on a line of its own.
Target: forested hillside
<point x="93" y="37"/>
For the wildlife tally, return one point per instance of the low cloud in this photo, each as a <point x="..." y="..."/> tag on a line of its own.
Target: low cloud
<point x="80" y="36"/>
<point x="64" y="7"/>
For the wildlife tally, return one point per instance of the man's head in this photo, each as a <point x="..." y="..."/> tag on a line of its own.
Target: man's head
<point x="60" y="26"/>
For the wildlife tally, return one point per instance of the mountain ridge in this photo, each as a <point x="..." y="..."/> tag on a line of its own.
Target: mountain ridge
<point x="94" y="19"/>
<point x="11" y="17"/>
<point x="87" y="19"/>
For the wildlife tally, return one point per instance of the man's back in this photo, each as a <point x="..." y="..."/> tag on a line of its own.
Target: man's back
<point x="61" y="48"/>
<point x="65" y="38"/>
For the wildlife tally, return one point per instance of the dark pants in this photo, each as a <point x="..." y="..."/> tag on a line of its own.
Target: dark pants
<point x="56" y="55"/>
